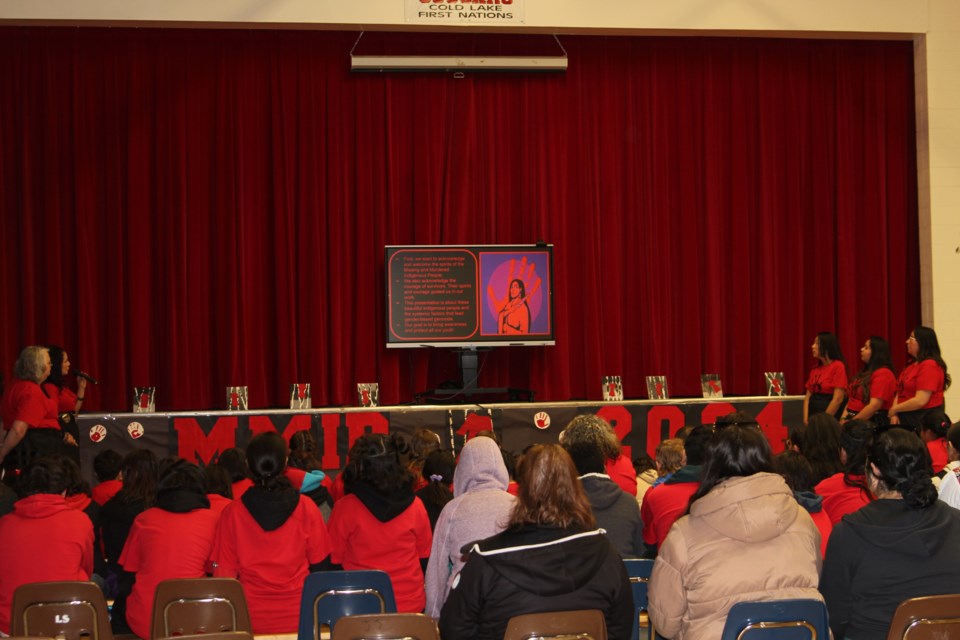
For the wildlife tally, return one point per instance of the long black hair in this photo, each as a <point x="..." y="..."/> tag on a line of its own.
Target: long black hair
<point x="903" y="465"/>
<point x="267" y="459"/>
<point x="735" y="451"/>
<point x="828" y="346"/>
<point x="820" y="443"/>
<point x="855" y="438"/>
<point x="381" y="461"/>
<point x="928" y="348"/>
<point x="879" y="359"/>
<point x="56" y="365"/>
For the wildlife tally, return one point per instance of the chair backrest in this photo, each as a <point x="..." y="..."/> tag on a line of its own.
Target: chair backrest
<point x="225" y="635"/>
<point x="639" y="571"/>
<point x="386" y="626"/>
<point x="777" y="620"/>
<point x="69" y="610"/>
<point x="926" y="618"/>
<point x="585" y="624"/>
<point x="192" y="606"/>
<point x="330" y="595"/>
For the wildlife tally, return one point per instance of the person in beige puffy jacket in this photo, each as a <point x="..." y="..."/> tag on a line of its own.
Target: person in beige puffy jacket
<point x="744" y="539"/>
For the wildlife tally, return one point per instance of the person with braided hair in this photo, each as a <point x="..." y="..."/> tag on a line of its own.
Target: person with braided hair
<point x="902" y="545"/>
<point x="270" y="539"/>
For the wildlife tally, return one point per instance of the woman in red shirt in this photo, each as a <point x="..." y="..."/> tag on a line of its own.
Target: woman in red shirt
<point x="380" y="523"/>
<point x="826" y="386"/>
<point x="922" y="382"/>
<point x="68" y="402"/>
<point x="871" y="392"/>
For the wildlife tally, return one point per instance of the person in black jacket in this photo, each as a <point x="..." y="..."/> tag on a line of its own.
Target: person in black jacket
<point x="550" y="558"/>
<point x="902" y="545"/>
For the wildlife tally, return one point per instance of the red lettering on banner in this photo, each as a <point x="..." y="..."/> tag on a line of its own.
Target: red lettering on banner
<point x="358" y="422"/>
<point x="474" y="424"/>
<point x="622" y="423"/>
<point x="715" y="410"/>
<point x="195" y="446"/>
<point x="329" y="424"/>
<point x="655" y="419"/>
<point x="771" y="422"/>
<point x="265" y="424"/>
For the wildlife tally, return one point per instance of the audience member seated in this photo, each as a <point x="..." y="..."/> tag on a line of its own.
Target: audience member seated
<point x="669" y="457"/>
<point x="139" y="473"/>
<point x="845" y="492"/>
<point x="380" y="523"/>
<point x="106" y="466"/>
<point x="172" y="539"/>
<point x="480" y="508"/>
<point x="234" y="460"/>
<point x="819" y="442"/>
<point x="422" y="444"/>
<point x="44" y="539"/>
<point x="665" y="503"/>
<point x="745" y="538"/>
<point x="933" y="429"/>
<point x="438" y="470"/>
<point x="902" y="545"/>
<point x="270" y="539"/>
<point x="799" y="477"/>
<point x="950" y="482"/>
<point x="616" y="512"/>
<point x="306" y="473"/>
<point x="78" y="497"/>
<point x="646" y="470"/>
<point x="550" y="558"/>
<point x="218" y="486"/>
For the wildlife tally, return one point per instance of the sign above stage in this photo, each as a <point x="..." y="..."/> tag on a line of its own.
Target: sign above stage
<point x="499" y="12"/>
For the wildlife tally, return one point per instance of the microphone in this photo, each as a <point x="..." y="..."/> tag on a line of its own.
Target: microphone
<point x="86" y="376"/>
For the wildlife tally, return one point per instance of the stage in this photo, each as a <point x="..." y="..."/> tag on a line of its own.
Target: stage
<point x="201" y="436"/>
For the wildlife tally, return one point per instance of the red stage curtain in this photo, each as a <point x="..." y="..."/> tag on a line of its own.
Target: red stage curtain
<point x="194" y="209"/>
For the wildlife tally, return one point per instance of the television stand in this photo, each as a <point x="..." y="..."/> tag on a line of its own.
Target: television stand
<point x="467" y="388"/>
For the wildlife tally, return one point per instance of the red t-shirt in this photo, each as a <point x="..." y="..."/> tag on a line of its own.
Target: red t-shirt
<point x="43" y="540"/>
<point x="106" y="490"/>
<point x="66" y="399"/>
<point x="661" y="507"/>
<point x="883" y="385"/>
<point x="938" y="453"/>
<point x="925" y="375"/>
<point x="271" y="565"/>
<point x="622" y="472"/>
<point x="336" y="487"/>
<point x="825" y="527"/>
<point x="825" y="378"/>
<point x="26" y="401"/>
<point x="359" y="541"/>
<point x="240" y="487"/>
<point x="218" y="503"/>
<point x="163" y="545"/>
<point x="839" y="498"/>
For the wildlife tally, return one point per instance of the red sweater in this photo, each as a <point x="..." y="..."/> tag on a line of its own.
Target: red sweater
<point x="360" y="541"/>
<point x="664" y="503"/>
<point x="839" y="498"/>
<point x="622" y="472"/>
<point x="271" y="565"/>
<point x="164" y="545"/>
<point x="43" y="540"/>
<point x="106" y="490"/>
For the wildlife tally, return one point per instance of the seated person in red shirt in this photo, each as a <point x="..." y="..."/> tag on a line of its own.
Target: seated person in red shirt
<point x="933" y="431"/>
<point x="234" y="460"/>
<point x="106" y="466"/>
<point x="799" y="476"/>
<point x="666" y="502"/>
<point x="219" y="488"/>
<point x="172" y="539"/>
<point x="270" y="539"/>
<point x="380" y="523"/>
<point x="846" y="492"/>
<point x="44" y="539"/>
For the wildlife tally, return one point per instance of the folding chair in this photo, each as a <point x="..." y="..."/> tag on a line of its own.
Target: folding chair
<point x="386" y="626"/>
<point x="926" y="618"/>
<point x="585" y="624"/>
<point x="777" y="620"/>
<point x="70" y="610"/>
<point x="193" y="606"/>
<point x="330" y="595"/>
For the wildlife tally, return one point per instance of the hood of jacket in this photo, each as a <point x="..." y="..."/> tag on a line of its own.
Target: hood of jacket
<point x="602" y="492"/>
<point x="181" y="500"/>
<point x="545" y="561"/>
<point x="480" y="467"/>
<point x="41" y="505"/>
<point x="890" y="523"/>
<point x="383" y="507"/>
<point x="270" y="509"/>
<point x="688" y="473"/>
<point x="78" y="501"/>
<point x="809" y="501"/>
<point x="748" y="508"/>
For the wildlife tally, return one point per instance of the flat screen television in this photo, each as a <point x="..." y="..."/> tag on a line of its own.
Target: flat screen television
<point x="469" y="296"/>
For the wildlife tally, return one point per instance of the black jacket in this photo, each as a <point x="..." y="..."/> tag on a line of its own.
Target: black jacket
<point x="534" y="570"/>
<point x="617" y="512"/>
<point x="883" y="554"/>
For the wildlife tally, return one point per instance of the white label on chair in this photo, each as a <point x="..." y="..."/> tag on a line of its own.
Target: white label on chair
<point x="61" y="618"/>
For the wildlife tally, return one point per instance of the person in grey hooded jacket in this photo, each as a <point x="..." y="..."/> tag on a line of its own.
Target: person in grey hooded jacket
<point x="480" y="509"/>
